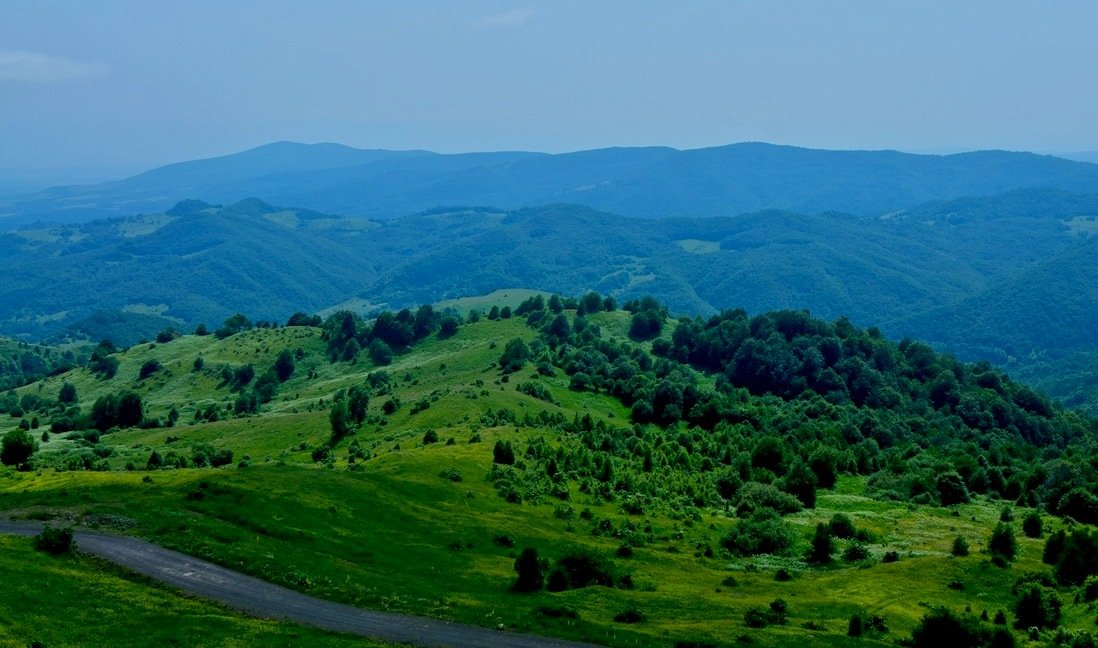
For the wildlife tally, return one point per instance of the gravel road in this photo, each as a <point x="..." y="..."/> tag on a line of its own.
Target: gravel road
<point x="262" y="599"/>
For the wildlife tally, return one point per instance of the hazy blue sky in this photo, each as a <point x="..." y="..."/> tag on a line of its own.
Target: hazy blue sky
<point x="119" y="86"/>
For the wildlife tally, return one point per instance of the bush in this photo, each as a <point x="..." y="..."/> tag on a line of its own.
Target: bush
<point x="1002" y="545"/>
<point x="960" y="547"/>
<point x="943" y="628"/>
<point x="503" y="453"/>
<point x="55" y="541"/>
<point x="1037" y="607"/>
<point x="855" y="552"/>
<point x="765" y="532"/>
<point x="842" y="526"/>
<point x="585" y="570"/>
<point x="822" y="546"/>
<point x="530" y="569"/>
<point x="17" y="447"/>
<point x="630" y="616"/>
<point x="148" y="368"/>
<point x="1032" y="525"/>
<point x="429" y="437"/>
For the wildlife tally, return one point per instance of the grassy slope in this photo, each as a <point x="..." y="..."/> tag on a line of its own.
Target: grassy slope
<point x="76" y="601"/>
<point x="399" y="536"/>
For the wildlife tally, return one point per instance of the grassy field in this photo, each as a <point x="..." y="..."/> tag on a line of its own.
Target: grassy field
<point x="418" y="528"/>
<point x="76" y="601"/>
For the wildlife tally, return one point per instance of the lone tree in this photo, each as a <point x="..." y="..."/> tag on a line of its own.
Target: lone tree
<point x="822" y="546"/>
<point x="530" y="569"/>
<point x="67" y="393"/>
<point x="1002" y="545"/>
<point x="17" y="447"/>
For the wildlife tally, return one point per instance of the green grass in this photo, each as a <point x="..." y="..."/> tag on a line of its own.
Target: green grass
<point x="398" y="535"/>
<point x="78" y="601"/>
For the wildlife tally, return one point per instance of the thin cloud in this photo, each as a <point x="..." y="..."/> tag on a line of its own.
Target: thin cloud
<point x="23" y="65"/>
<point x="512" y="18"/>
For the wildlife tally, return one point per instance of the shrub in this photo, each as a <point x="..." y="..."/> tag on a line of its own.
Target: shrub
<point x="631" y="615"/>
<point x="765" y="532"/>
<point x="585" y="570"/>
<point x="530" y="570"/>
<point x="842" y="526"/>
<point x="822" y="546"/>
<point x="1037" y="607"/>
<point x="855" y="552"/>
<point x="960" y="547"/>
<point x="755" y="496"/>
<point x="503" y="453"/>
<point x="148" y="368"/>
<point x="1002" y="545"/>
<point x="429" y="437"/>
<point x="1032" y="525"/>
<point x="17" y="447"/>
<point x="54" y="541"/>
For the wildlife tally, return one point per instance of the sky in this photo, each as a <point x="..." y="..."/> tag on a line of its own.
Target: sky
<point x="109" y="88"/>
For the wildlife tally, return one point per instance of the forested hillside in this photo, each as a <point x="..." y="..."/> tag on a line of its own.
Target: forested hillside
<point x="936" y="272"/>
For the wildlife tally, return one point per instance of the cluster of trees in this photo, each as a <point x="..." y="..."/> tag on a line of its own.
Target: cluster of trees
<point x="348" y="334"/>
<point x="22" y="363"/>
<point x="788" y="401"/>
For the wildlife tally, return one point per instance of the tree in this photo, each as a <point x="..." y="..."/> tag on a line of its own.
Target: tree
<point x="17" y="447"/>
<point x="67" y="393"/>
<point x="801" y="483"/>
<point x="340" y="419"/>
<point x="503" y="453"/>
<point x="1037" y="607"/>
<point x="284" y="365"/>
<point x="104" y="412"/>
<point x="951" y="489"/>
<point x="130" y="410"/>
<point x="1032" y="525"/>
<point x="358" y="399"/>
<point x="1002" y="545"/>
<point x="514" y="356"/>
<point x="233" y="325"/>
<point x="148" y="368"/>
<point x="822" y="546"/>
<point x="530" y="569"/>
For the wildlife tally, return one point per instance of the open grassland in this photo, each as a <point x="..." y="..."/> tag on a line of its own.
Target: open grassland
<point x="417" y="527"/>
<point x="75" y="601"/>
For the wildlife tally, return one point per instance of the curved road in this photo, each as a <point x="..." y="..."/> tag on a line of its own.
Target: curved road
<point x="262" y="599"/>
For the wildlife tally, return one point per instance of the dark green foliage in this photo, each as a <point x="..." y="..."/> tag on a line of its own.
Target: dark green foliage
<point x="17" y="447"/>
<point x="943" y="628"/>
<point x="117" y="410"/>
<point x="763" y="533"/>
<point x="358" y="400"/>
<point x="340" y="420"/>
<point x="960" y="547"/>
<point x="148" y="368"/>
<point x="536" y="390"/>
<point x="67" y="394"/>
<point x="514" y="356"/>
<point x="1032" y="525"/>
<point x="755" y="617"/>
<point x="583" y="569"/>
<point x="855" y="552"/>
<point x="822" y="546"/>
<point x="951" y="489"/>
<point x="530" y="569"/>
<point x="284" y="365"/>
<point x="1037" y="607"/>
<point x="503" y="453"/>
<point x="1074" y="556"/>
<point x="841" y="526"/>
<point x="429" y="437"/>
<point x="233" y="325"/>
<point x="630" y="616"/>
<point x="56" y="541"/>
<point x="1002" y="544"/>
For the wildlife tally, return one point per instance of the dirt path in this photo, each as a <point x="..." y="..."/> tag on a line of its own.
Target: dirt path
<point x="262" y="599"/>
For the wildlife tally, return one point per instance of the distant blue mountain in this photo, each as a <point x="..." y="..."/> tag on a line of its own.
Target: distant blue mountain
<point x="635" y="182"/>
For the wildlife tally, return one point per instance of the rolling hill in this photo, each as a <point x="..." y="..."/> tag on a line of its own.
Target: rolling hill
<point x="649" y="182"/>
<point x="645" y="515"/>
<point x="978" y="276"/>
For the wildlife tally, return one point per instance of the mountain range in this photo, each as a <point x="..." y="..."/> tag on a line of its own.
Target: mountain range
<point x="652" y="182"/>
